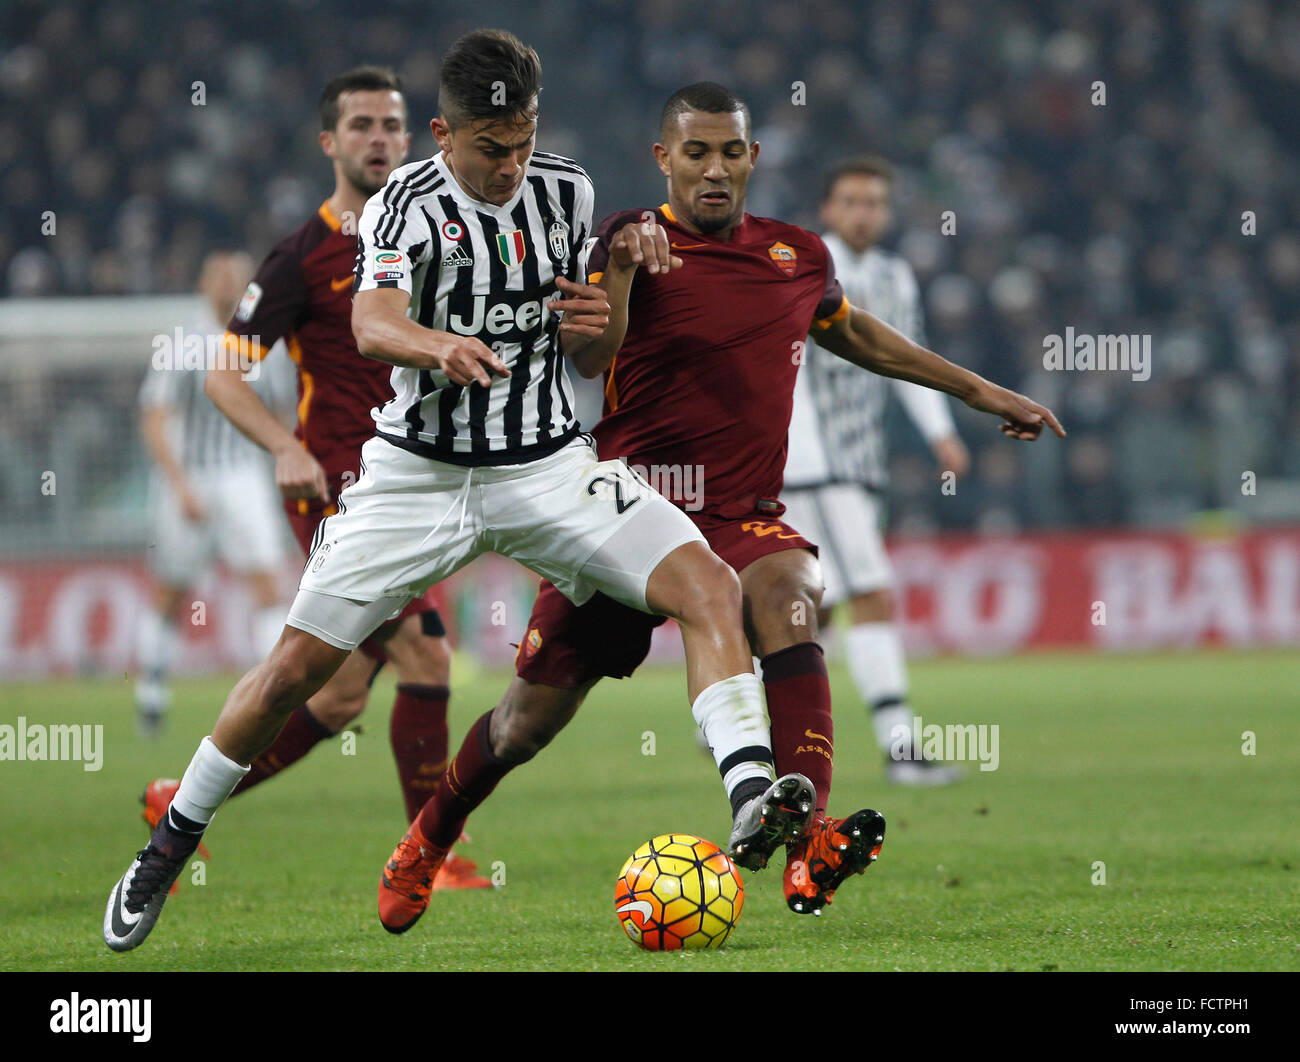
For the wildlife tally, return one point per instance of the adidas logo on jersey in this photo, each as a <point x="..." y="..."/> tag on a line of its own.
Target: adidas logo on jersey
<point x="457" y="258"/>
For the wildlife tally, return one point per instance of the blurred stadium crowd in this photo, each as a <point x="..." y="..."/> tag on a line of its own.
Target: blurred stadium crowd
<point x="1122" y="218"/>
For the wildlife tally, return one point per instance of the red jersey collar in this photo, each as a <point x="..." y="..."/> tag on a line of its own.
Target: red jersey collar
<point x="736" y="233"/>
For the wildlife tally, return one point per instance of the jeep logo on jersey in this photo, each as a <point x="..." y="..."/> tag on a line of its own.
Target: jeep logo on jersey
<point x="511" y="247"/>
<point x="512" y="315"/>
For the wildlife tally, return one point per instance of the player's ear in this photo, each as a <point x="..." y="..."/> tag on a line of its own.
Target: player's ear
<point x="441" y="133"/>
<point x="753" y="152"/>
<point x="661" y="157"/>
<point x="328" y="143"/>
<point x="406" y="146"/>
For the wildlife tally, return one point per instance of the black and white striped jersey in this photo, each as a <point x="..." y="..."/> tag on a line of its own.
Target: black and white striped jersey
<point x="477" y="269"/>
<point x="200" y="436"/>
<point x="837" y="426"/>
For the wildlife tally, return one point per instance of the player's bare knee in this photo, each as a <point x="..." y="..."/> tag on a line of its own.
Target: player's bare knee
<point x="335" y="711"/>
<point x="782" y="611"/>
<point x="286" y="683"/>
<point x="518" y="736"/>
<point x="712" y="596"/>
<point x="419" y="656"/>
<point x="519" y="743"/>
<point x="885" y="603"/>
<point x="789" y="600"/>
<point x="529" y="717"/>
<point x="293" y="673"/>
<point x="875" y="606"/>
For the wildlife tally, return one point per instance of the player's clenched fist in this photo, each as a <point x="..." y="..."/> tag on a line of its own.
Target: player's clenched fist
<point x="299" y="475"/>
<point x="642" y="243"/>
<point x="467" y="361"/>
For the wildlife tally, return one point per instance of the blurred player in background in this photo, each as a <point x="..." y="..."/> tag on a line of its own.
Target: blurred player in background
<point x="836" y="471"/>
<point x="302" y="294"/>
<point x="211" y="496"/>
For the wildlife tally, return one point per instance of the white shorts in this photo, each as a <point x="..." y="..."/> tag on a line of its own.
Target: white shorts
<point x="844" y="520"/>
<point x="244" y="525"/>
<point x="410" y="521"/>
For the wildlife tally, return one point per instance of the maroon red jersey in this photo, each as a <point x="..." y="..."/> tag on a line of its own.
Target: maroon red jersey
<point x="303" y="294"/>
<point x="705" y="377"/>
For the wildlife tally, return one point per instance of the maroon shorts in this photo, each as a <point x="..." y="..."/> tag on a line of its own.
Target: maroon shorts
<point x="304" y="523"/>
<point x="567" y="644"/>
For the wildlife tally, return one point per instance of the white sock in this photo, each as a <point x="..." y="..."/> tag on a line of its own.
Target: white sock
<point x="208" y="781"/>
<point x="733" y="718"/>
<point x="268" y="623"/>
<point x="879" y="673"/>
<point x="155" y="646"/>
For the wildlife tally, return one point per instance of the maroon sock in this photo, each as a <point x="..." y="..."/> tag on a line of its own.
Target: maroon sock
<point x="469" y="781"/>
<point x="418" y="731"/>
<point x="300" y="735"/>
<point x="799" y="705"/>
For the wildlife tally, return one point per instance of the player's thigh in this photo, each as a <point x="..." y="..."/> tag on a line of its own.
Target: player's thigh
<point x="780" y="578"/>
<point x="781" y="593"/>
<point x="694" y="585"/>
<point x="405" y="524"/>
<point x="803" y="511"/>
<point x="416" y="644"/>
<point x="586" y="525"/>
<point x="247" y="519"/>
<point x="344" y="696"/>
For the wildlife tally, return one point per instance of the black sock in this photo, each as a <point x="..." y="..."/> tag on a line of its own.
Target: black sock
<point x="746" y="791"/>
<point x="179" y="824"/>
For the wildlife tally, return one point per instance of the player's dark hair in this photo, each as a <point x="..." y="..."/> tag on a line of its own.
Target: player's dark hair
<point x="860" y="166"/>
<point x="358" y="79"/>
<point x="706" y="96"/>
<point x="489" y="75"/>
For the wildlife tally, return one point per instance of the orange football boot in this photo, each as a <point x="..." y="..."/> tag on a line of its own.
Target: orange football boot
<point x="832" y="849"/>
<point x="407" y="880"/>
<point x="458" y="872"/>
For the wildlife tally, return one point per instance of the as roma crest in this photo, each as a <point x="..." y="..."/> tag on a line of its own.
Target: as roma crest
<point x="784" y="255"/>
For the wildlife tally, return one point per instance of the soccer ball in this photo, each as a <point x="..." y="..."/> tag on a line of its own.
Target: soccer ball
<point x="678" y="891"/>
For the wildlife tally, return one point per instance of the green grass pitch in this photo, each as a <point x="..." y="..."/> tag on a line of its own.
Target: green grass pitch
<point x="1134" y="762"/>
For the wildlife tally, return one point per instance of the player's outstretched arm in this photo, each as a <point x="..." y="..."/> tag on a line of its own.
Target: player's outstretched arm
<point x="594" y="327"/>
<point x="384" y="332"/>
<point x="297" y="473"/>
<point x="865" y="340"/>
